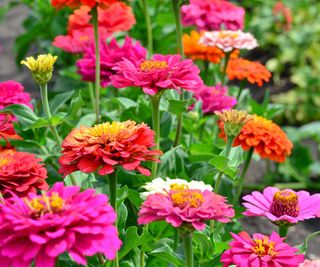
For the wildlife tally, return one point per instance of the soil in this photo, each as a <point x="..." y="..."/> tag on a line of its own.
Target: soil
<point x="11" y="27"/>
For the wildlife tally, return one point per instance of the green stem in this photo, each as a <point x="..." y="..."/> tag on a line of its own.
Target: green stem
<point x="148" y="25"/>
<point x="226" y="60"/>
<point x="188" y="249"/>
<point x="243" y="174"/>
<point x="283" y="231"/>
<point x="240" y="89"/>
<point x="92" y="97"/>
<point x="142" y="257"/>
<point x="155" y="100"/>
<point x="57" y="262"/>
<point x="97" y="52"/>
<point x="47" y="112"/>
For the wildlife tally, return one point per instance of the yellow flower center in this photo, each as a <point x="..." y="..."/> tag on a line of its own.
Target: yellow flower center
<point x="84" y="38"/>
<point x="223" y="35"/>
<point x="45" y="204"/>
<point x="187" y="198"/>
<point x="264" y="247"/>
<point x="285" y="203"/>
<point x="153" y="65"/>
<point x="5" y="158"/>
<point x="178" y="187"/>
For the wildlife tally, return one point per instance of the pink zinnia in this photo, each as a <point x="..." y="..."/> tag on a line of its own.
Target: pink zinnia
<point x="184" y="206"/>
<point x="110" y="55"/>
<point x="160" y="73"/>
<point x="286" y="206"/>
<point x="214" y="98"/>
<point x="213" y="15"/>
<point x="260" y="251"/>
<point x="39" y="228"/>
<point x="308" y="263"/>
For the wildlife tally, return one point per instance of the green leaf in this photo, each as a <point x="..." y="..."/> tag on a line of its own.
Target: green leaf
<point x="125" y="102"/>
<point x="178" y="106"/>
<point x="221" y="163"/>
<point x="303" y="247"/>
<point x="59" y="100"/>
<point x="75" y="106"/>
<point x="164" y="252"/>
<point x="131" y="240"/>
<point x="203" y="246"/>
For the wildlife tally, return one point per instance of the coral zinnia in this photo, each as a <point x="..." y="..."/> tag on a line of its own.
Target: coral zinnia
<point x="227" y="41"/>
<point x="7" y="131"/>
<point x="253" y="72"/>
<point x="106" y="146"/>
<point x="196" y="51"/>
<point x="214" y="98"/>
<point x="213" y="15"/>
<point x="286" y="206"/>
<point x="77" y="3"/>
<point x="21" y="173"/>
<point x="308" y="263"/>
<point x="160" y="73"/>
<point x="39" y="228"/>
<point x="110" y="55"/>
<point x="265" y="137"/>
<point x="183" y="206"/>
<point x="260" y="251"/>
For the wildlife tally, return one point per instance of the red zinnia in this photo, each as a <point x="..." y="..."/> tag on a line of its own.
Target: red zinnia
<point x="77" y="3"/>
<point x="21" y="173"/>
<point x="107" y="145"/>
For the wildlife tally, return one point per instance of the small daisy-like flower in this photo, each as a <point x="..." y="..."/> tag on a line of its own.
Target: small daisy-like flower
<point x="77" y="3"/>
<point x="260" y="251"/>
<point x="286" y="206"/>
<point x="265" y="137"/>
<point x="21" y="173"/>
<point x="106" y="146"/>
<point x="159" y="73"/>
<point x="40" y="67"/>
<point x="181" y="206"/>
<point x="39" y="228"/>
<point x="253" y="72"/>
<point x="227" y="40"/>
<point x="308" y="263"/>
<point x="214" y="98"/>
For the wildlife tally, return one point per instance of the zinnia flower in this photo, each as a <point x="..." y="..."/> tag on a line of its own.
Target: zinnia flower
<point x="21" y="173"/>
<point x="106" y="146"/>
<point x="286" y="206"/>
<point x="194" y="50"/>
<point x="214" y="98"/>
<point x="308" y="263"/>
<point x="110" y="55"/>
<point x="183" y="206"/>
<point x="227" y="40"/>
<point x="253" y="72"/>
<point x="260" y="251"/>
<point x="213" y="15"/>
<point x="7" y="131"/>
<point x="39" y="228"/>
<point x="160" y="73"/>
<point x="76" y="3"/>
<point x="265" y="137"/>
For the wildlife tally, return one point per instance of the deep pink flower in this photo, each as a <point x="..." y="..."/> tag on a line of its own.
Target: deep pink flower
<point x="160" y="73"/>
<point x="308" y="263"/>
<point x="213" y="15"/>
<point x="214" y="98"/>
<point x="39" y="228"/>
<point x="286" y="206"/>
<point x="185" y="206"/>
<point x="110" y="55"/>
<point x="260" y="251"/>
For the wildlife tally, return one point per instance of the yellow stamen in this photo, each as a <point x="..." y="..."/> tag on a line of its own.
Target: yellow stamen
<point x="178" y="187"/>
<point x="264" y="247"/>
<point x="152" y="65"/>
<point x="186" y="198"/>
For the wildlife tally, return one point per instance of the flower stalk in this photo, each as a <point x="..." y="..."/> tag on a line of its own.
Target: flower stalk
<point x="283" y="230"/>
<point x="148" y="25"/>
<point x="188" y="249"/>
<point x="226" y="60"/>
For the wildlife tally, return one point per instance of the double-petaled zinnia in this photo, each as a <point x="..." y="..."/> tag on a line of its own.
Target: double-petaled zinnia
<point x="106" y="146"/>
<point x="260" y="251"/>
<point x="78" y="3"/>
<point x="185" y="206"/>
<point x="39" y="228"/>
<point x="40" y="67"/>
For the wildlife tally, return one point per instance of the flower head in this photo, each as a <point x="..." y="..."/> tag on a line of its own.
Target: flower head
<point x="265" y="137"/>
<point x="260" y="250"/>
<point x="253" y="72"/>
<point x="21" y="173"/>
<point x="106" y="146"/>
<point x="159" y="73"/>
<point x="183" y="206"/>
<point x="39" y="228"/>
<point x="213" y="15"/>
<point x="228" y="40"/>
<point x="282" y="207"/>
<point x="77" y="3"/>
<point x="110" y="55"/>
<point x="308" y="263"/>
<point x="233" y="120"/>
<point x="41" y="67"/>
<point x="214" y="98"/>
<point x="7" y="132"/>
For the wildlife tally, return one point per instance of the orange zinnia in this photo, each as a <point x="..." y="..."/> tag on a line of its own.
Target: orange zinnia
<point x="265" y="137"/>
<point x="77" y="3"/>
<point x="253" y="72"/>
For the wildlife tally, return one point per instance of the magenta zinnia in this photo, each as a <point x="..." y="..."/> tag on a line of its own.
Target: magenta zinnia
<point x="260" y="251"/>
<point x="286" y="206"/>
<point x="39" y="228"/>
<point x="160" y="73"/>
<point x="110" y="55"/>
<point x="183" y="206"/>
<point x="106" y="146"/>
